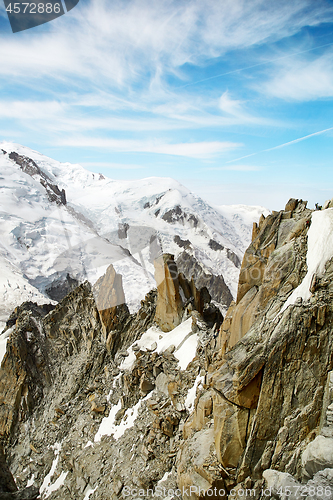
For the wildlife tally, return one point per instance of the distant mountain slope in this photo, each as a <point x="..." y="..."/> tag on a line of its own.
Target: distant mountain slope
<point x="60" y="222"/>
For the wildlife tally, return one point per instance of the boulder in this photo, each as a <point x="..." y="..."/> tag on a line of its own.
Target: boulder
<point x="317" y="456"/>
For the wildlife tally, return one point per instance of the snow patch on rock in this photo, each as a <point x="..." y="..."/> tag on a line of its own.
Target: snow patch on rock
<point x="320" y="251"/>
<point x="182" y="337"/>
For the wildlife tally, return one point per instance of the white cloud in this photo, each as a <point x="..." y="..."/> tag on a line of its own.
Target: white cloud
<point x="229" y="105"/>
<point x="105" y="66"/>
<point x="68" y="116"/>
<point x="236" y="111"/>
<point x="191" y="150"/>
<point x="32" y="110"/>
<point x="238" y="168"/>
<point x="118" y="44"/>
<point x="302" y="79"/>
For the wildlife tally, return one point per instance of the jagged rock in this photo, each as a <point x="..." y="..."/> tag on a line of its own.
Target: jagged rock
<point x="146" y="384"/>
<point x="291" y="205"/>
<point x="169" y="303"/>
<point x="199" y="418"/>
<point x="216" y="286"/>
<point x="255" y="258"/>
<point x="194" y="476"/>
<point x="73" y="323"/>
<point x="284" y="486"/>
<point x="7" y="483"/>
<point x="175" y="293"/>
<point x="131" y="329"/>
<point x="270" y="373"/>
<point x="262" y="392"/>
<point x="282" y="482"/>
<point x="36" y="309"/>
<point x="24" y="372"/>
<point x="110" y="300"/>
<point x="30" y="493"/>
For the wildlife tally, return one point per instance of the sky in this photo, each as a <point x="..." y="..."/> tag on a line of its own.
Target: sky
<point x="233" y="98"/>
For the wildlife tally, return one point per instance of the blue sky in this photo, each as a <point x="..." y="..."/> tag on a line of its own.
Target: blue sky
<point x="233" y="98"/>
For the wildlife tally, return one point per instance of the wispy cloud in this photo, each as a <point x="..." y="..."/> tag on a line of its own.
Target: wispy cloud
<point x="125" y="43"/>
<point x="69" y="116"/>
<point x="301" y="79"/>
<point x="238" y="168"/>
<point x="121" y="77"/>
<point x="116" y="61"/>
<point x="191" y="150"/>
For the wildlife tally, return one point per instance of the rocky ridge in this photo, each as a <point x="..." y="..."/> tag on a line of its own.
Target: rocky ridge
<point x="168" y="400"/>
<point x="66" y="398"/>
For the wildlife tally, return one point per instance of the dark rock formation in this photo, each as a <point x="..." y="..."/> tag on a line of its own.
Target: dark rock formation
<point x="176" y="214"/>
<point x="61" y="287"/>
<point x="28" y="166"/>
<point x="176" y="297"/>
<point x="182" y="243"/>
<point x="38" y="310"/>
<point x="191" y="268"/>
<point x="214" y="245"/>
<point x="122" y="231"/>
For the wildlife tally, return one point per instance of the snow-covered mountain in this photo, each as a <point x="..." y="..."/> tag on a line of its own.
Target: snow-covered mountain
<point x="60" y="223"/>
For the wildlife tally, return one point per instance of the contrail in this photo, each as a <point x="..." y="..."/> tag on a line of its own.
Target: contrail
<point x="282" y="145"/>
<point x="253" y="66"/>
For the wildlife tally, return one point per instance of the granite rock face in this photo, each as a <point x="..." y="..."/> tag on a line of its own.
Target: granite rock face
<point x="252" y="411"/>
<point x="169" y="304"/>
<point x="110" y="301"/>
<point x="177" y="297"/>
<point x="268" y="378"/>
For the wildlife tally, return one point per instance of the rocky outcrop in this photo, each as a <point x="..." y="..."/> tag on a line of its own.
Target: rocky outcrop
<point x="169" y="302"/>
<point x="269" y="377"/>
<point x="110" y="301"/>
<point x="177" y="215"/>
<point x="37" y="345"/>
<point x="261" y="277"/>
<point x="134" y="325"/>
<point x="252" y="411"/>
<point x="24" y="372"/>
<point x="64" y="441"/>
<point x="177" y="297"/>
<point x="28" y="166"/>
<point x="189" y="266"/>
